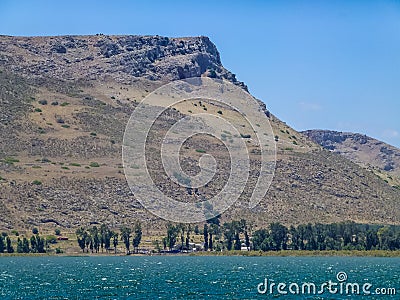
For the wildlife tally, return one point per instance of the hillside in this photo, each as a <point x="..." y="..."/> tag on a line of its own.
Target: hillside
<point x="368" y="152"/>
<point x="65" y="102"/>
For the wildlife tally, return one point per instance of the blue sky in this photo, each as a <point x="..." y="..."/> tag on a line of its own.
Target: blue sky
<point x="316" y="64"/>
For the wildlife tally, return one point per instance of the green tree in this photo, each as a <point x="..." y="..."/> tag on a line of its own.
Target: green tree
<point x="19" y="246"/>
<point x="319" y="230"/>
<point x="383" y="234"/>
<point x="137" y="237"/>
<point x="371" y="239"/>
<point x="104" y="235"/>
<point x="295" y="238"/>
<point x="88" y="242"/>
<point x="187" y="241"/>
<point x="91" y="247"/>
<point x="125" y="237"/>
<point x="301" y="236"/>
<point x="2" y="244"/>
<point x="115" y="240"/>
<point x="25" y="245"/>
<point x="181" y="228"/>
<point x="213" y="231"/>
<point x="278" y="236"/>
<point x="40" y="244"/>
<point x="33" y="244"/>
<point x="229" y="234"/>
<point x="247" y="240"/>
<point x="94" y="233"/>
<point x="10" y="248"/>
<point x="261" y="240"/>
<point x="106" y="239"/>
<point x="205" y="234"/>
<point x="172" y="233"/>
<point x="82" y="237"/>
<point x="388" y="238"/>
<point x="164" y="241"/>
<point x="210" y="241"/>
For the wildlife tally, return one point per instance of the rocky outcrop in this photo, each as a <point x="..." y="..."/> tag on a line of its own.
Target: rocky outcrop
<point x="123" y="58"/>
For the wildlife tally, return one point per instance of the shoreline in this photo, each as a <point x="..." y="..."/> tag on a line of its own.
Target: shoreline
<point x="282" y="253"/>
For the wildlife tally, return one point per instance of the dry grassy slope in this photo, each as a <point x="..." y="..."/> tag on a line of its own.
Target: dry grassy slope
<point x="377" y="156"/>
<point x="59" y="144"/>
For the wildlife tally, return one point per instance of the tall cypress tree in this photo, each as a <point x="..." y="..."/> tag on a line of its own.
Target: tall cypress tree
<point x="126" y="236"/>
<point x="2" y="244"/>
<point x="19" y="246"/>
<point x="205" y="231"/>
<point x="229" y="234"/>
<point x="187" y="241"/>
<point x="33" y="244"/>
<point x="115" y="240"/>
<point x="10" y="248"/>
<point x="237" y="245"/>
<point x="82" y="237"/>
<point x="25" y="245"/>
<point x="137" y="236"/>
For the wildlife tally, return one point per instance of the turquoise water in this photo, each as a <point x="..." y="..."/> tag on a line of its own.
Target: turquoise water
<point x="183" y="277"/>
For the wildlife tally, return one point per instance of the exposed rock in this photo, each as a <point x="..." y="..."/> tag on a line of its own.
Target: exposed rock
<point x="119" y="57"/>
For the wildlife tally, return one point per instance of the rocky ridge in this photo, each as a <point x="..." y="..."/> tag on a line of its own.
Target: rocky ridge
<point x="122" y="58"/>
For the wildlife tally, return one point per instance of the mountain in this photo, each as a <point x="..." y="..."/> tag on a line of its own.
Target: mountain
<point x="374" y="155"/>
<point x="65" y="102"/>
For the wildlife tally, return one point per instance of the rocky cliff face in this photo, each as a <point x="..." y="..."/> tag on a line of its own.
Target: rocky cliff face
<point x="122" y="58"/>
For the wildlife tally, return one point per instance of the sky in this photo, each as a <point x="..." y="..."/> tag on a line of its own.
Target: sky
<point x="316" y="64"/>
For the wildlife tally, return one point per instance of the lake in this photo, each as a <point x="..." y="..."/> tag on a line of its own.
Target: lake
<point x="191" y="277"/>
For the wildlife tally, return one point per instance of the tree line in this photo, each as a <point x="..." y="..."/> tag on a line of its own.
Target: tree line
<point x="237" y="235"/>
<point x="234" y="235"/>
<point x="94" y="238"/>
<point x="36" y="243"/>
<point x="215" y="236"/>
<point x="334" y="236"/>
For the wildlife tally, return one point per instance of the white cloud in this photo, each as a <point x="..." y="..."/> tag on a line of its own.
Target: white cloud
<point x="391" y="133"/>
<point x="309" y="106"/>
